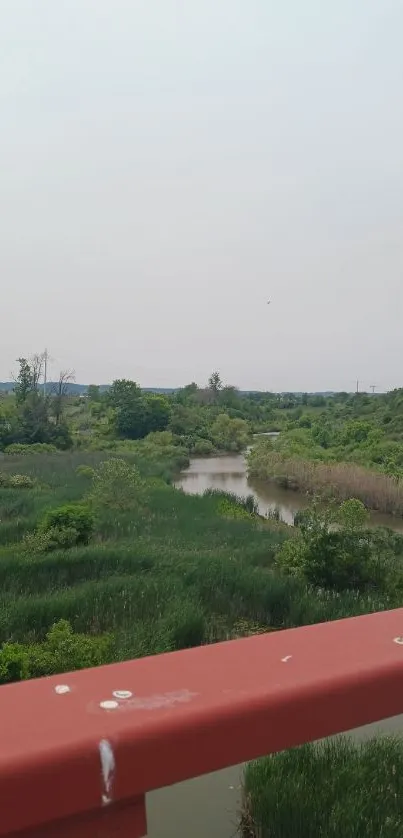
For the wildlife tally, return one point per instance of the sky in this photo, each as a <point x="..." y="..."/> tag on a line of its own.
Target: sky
<point x="168" y="167"/>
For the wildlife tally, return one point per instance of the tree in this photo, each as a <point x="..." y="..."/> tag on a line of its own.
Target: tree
<point x="93" y="393"/>
<point x="60" y="391"/>
<point x="37" y="364"/>
<point x="137" y="414"/>
<point x="31" y="423"/>
<point x="187" y="393"/>
<point x="157" y="413"/>
<point x="229" y="397"/>
<point x="215" y="384"/>
<point x="24" y="381"/>
<point x="122" y="392"/>
<point x="230" y="434"/>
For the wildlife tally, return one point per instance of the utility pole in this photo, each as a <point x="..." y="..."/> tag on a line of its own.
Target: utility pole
<point x="45" y="371"/>
<point x="373" y="388"/>
<point x="357" y="390"/>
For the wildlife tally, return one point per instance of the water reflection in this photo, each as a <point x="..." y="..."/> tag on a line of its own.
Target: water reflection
<point x="229" y="473"/>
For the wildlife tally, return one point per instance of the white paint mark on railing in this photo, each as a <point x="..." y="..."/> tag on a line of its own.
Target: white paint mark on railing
<point x="108" y="766"/>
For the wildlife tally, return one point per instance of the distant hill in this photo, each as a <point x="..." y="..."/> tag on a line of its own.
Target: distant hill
<point x="81" y="389"/>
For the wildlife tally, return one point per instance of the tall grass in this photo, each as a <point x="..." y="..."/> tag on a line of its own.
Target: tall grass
<point x="176" y="570"/>
<point x="334" y="789"/>
<point x="337" y="480"/>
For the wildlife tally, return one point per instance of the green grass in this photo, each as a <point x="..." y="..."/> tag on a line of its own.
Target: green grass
<point x="149" y="568"/>
<point x="336" y="789"/>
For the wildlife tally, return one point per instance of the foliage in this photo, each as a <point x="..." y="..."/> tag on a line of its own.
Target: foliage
<point x="340" y="557"/>
<point x="68" y="525"/>
<point x="117" y="485"/>
<point x="62" y="651"/>
<point x="16" y="481"/>
<point x="37" y="448"/>
<point x="85" y="471"/>
<point x="230" y="434"/>
<point x="137" y="414"/>
<point x="202" y="447"/>
<point x="334" y="788"/>
<point x="93" y="393"/>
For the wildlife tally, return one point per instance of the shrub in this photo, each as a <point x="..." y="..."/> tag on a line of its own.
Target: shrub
<point x="16" y="481"/>
<point x="14" y="664"/>
<point x="117" y="485"/>
<point x="202" y="447"/>
<point x="35" y="543"/>
<point x="339" y="558"/>
<point x="63" y="650"/>
<point x="336" y="789"/>
<point x="69" y="524"/>
<point x="85" y="471"/>
<point x="36" y="448"/>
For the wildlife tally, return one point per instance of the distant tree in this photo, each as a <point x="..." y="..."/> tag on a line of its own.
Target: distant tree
<point x="230" y="434"/>
<point x="60" y="391"/>
<point x="187" y="393"/>
<point x="37" y="364"/>
<point x="137" y="414"/>
<point x="31" y="424"/>
<point x="215" y="384"/>
<point x="157" y="414"/>
<point x="122" y="392"/>
<point x="229" y="396"/>
<point x="34" y="423"/>
<point x="24" y="382"/>
<point x="93" y="393"/>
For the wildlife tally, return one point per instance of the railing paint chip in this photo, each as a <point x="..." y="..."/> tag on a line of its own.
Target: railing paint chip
<point x="398" y="640"/>
<point x="122" y="694"/>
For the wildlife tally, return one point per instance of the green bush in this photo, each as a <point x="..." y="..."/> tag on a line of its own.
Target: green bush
<point x="62" y="651"/>
<point x="329" y="557"/>
<point x="37" y="542"/>
<point x="71" y="524"/>
<point x="117" y="485"/>
<point x="16" y="481"/>
<point x="202" y="447"/>
<point x="336" y="789"/>
<point x="85" y="471"/>
<point x="14" y="665"/>
<point x="35" y="448"/>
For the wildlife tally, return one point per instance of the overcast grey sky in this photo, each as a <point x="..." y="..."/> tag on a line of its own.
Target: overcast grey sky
<point x="167" y="167"/>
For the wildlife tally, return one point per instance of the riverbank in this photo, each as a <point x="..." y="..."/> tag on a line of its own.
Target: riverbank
<point x="229" y="474"/>
<point x="329" y="480"/>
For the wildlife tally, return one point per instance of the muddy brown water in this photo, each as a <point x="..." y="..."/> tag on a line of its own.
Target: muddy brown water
<point x="208" y="807"/>
<point x="229" y="474"/>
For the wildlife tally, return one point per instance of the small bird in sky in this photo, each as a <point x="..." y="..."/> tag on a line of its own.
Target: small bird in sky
<point x="268" y="302"/>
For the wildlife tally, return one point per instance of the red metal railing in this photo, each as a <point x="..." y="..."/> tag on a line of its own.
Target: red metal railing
<point x="79" y="752"/>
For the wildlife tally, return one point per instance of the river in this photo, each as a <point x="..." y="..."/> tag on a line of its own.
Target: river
<point x="229" y="473"/>
<point x="207" y="807"/>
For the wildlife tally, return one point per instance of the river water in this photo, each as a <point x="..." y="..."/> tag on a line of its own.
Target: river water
<point x="208" y="807"/>
<point x="229" y="474"/>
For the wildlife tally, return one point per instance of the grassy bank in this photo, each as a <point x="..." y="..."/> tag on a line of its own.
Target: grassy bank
<point x="341" y="481"/>
<point x="336" y="789"/>
<point x="171" y="572"/>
